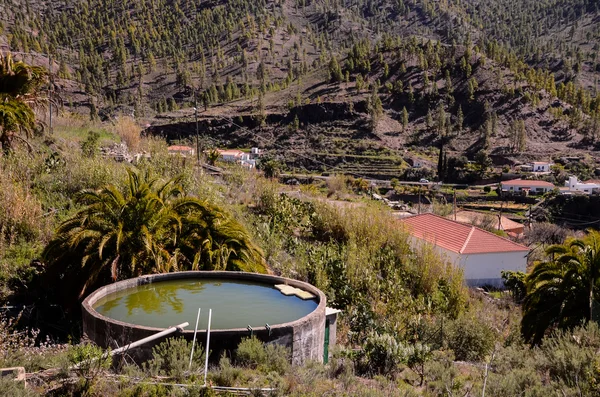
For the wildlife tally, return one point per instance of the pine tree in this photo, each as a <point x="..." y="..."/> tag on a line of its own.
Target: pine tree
<point x="335" y="70"/>
<point x="375" y="107"/>
<point x="440" y="165"/>
<point x="459" y="120"/>
<point x="261" y="117"/>
<point x="404" y="119"/>
<point x="518" y="135"/>
<point x="440" y="119"/>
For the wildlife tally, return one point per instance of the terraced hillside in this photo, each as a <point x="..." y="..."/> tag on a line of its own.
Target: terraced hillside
<point x="341" y="82"/>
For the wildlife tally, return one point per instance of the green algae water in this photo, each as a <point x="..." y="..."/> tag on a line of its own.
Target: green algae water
<point x="234" y="304"/>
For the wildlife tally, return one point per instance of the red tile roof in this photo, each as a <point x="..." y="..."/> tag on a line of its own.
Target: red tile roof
<point x="230" y="152"/>
<point x="532" y="183"/>
<point x="458" y="237"/>
<point x="179" y="148"/>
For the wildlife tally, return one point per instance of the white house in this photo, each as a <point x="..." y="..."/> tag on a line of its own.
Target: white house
<point x="481" y="255"/>
<point x="418" y="162"/>
<point x="179" y="150"/>
<point x="237" y="156"/>
<point x="540" y="166"/>
<point x="255" y="152"/>
<point x="575" y="186"/>
<point x="533" y="186"/>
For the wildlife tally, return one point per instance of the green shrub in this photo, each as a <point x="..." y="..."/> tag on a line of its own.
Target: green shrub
<point x="443" y="377"/>
<point x="226" y="375"/>
<point x="570" y="357"/>
<point x="469" y="338"/>
<point x="381" y="355"/>
<point x="90" y="147"/>
<point x="515" y="282"/>
<point x="514" y="370"/>
<point x="88" y="360"/>
<point x="9" y="387"/>
<point x="172" y="358"/>
<point x="251" y="353"/>
<point x="269" y="357"/>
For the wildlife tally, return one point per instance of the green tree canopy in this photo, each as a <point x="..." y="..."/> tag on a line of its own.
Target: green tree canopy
<point x="151" y="228"/>
<point x="19" y="96"/>
<point x="560" y="292"/>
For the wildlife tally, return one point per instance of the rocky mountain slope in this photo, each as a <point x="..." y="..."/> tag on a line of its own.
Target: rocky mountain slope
<point x="342" y="86"/>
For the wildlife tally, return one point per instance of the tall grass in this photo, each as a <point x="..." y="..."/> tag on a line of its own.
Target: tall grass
<point x="21" y="213"/>
<point x="362" y="258"/>
<point x="129" y="131"/>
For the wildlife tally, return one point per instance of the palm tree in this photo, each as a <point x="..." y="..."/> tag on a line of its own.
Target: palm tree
<point x="213" y="156"/>
<point x="19" y="96"/>
<point x="560" y="292"/>
<point x="152" y="228"/>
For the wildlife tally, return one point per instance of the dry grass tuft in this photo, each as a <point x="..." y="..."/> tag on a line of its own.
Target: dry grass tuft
<point x="129" y="131"/>
<point x="21" y="214"/>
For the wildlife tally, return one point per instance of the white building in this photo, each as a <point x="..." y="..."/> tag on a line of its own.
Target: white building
<point x="237" y="156"/>
<point x="540" y="166"/>
<point x="179" y="150"/>
<point x="481" y="255"/>
<point x="575" y="186"/>
<point x="533" y="186"/>
<point x="418" y="162"/>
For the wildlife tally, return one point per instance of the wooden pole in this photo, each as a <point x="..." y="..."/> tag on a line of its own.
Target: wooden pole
<point x="454" y="204"/>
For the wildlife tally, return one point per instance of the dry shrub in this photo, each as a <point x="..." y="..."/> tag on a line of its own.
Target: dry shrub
<point x="23" y="347"/>
<point x="21" y="214"/>
<point x="68" y="120"/>
<point x="129" y="131"/>
<point x="336" y="186"/>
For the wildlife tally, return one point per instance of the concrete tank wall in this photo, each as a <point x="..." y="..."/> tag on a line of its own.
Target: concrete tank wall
<point x="304" y="337"/>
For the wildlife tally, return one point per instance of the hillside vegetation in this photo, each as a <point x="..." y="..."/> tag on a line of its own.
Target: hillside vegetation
<point x="156" y="59"/>
<point x="408" y="326"/>
<point x="73" y="218"/>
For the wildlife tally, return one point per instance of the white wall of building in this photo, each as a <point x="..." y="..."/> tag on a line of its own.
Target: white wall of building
<point x="229" y="157"/>
<point x="486" y="269"/>
<point x="576" y="186"/>
<point x="519" y="187"/>
<point x="483" y="269"/>
<point x="541" y="167"/>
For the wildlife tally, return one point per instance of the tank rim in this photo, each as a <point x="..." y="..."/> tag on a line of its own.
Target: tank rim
<point x="101" y="292"/>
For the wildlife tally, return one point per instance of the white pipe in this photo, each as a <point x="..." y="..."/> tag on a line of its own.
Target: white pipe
<point x="150" y="338"/>
<point x="140" y="342"/>
<point x="207" y="350"/>
<point x="194" y="342"/>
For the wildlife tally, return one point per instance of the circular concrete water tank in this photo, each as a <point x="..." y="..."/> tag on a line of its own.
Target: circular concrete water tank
<point x="121" y="313"/>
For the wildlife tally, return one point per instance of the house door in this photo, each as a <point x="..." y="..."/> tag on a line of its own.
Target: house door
<point x="326" y="345"/>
